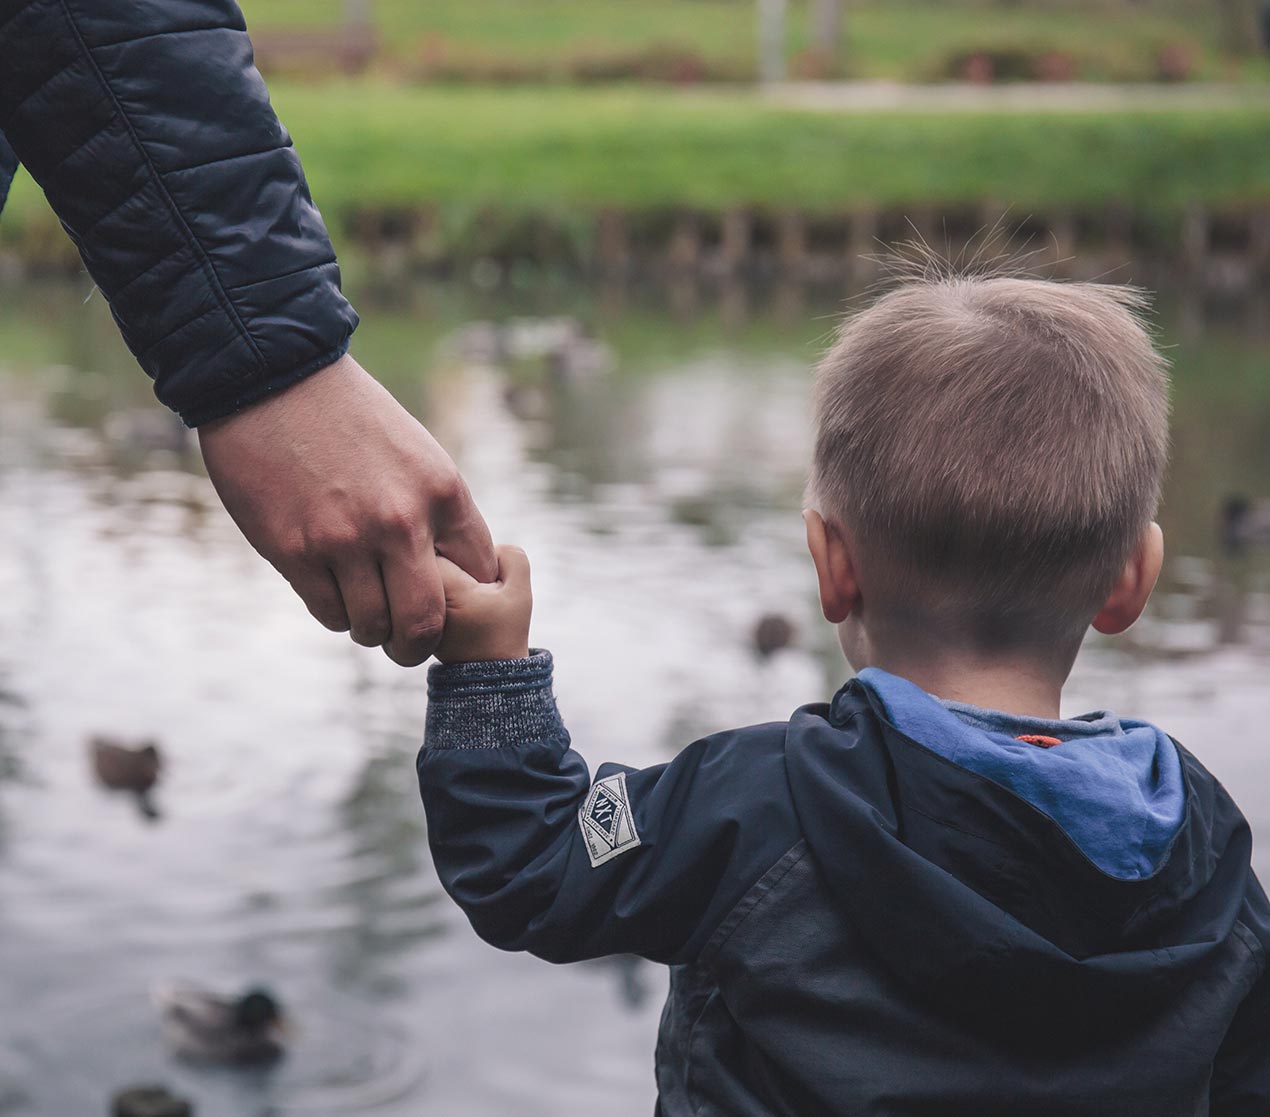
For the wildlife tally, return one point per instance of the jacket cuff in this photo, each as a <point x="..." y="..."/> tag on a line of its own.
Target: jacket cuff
<point x="243" y="395"/>
<point x="492" y="704"/>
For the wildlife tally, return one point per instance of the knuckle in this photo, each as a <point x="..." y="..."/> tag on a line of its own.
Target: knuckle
<point x="448" y="487"/>
<point x="326" y="614"/>
<point x="398" y="522"/>
<point x="342" y="539"/>
<point x="322" y="602"/>
<point x="370" y="632"/>
<point x="405" y="657"/>
<point x="425" y="632"/>
<point x="325" y="540"/>
<point x="292" y="550"/>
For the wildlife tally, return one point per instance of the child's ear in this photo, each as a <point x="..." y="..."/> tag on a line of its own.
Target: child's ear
<point x="1129" y="595"/>
<point x="839" y="590"/>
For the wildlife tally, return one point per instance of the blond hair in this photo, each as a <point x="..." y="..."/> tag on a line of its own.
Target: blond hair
<point x="995" y="446"/>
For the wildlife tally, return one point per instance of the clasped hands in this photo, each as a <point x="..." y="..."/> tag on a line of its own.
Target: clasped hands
<point x="351" y="499"/>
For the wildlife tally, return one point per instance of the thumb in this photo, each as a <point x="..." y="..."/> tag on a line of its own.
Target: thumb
<point x="463" y="536"/>
<point x="513" y="567"/>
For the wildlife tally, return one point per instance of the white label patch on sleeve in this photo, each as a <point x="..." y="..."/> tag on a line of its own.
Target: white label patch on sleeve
<point x="605" y="818"/>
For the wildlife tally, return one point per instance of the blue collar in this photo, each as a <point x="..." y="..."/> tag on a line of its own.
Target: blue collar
<point x="1114" y="786"/>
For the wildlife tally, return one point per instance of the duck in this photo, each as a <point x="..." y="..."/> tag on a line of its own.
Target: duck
<point x="632" y="978"/>
<point x="772" y="633"/>
<point x="123" y="767"/>
<point x="205" y="1027"/>
<point x="149" y="1101"/>
<point x="578" y="356"/>
<point x="526" y="401"/>
<point x="148" y="429"/>
<point x="1244" y="523"/>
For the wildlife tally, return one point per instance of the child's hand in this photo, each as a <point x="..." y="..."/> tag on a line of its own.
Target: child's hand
<point x="486" y="620"/>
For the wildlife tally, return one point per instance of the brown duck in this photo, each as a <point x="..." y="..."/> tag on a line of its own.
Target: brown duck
<point x="123" y="767"/>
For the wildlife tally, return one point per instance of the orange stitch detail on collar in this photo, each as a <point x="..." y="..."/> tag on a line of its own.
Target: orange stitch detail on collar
<point x="1039" y="740"/>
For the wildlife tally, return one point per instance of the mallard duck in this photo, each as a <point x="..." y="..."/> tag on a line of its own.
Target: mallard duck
<point x="149" y="1101"/>
<point x="122" y="767"/>
<point x="208" y="1028"/>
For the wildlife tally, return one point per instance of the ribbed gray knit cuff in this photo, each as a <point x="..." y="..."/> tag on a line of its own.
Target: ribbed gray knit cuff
<point x="491" y="704"/>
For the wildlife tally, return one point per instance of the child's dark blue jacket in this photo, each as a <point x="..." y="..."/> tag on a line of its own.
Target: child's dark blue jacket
<point x="856" y="924"/>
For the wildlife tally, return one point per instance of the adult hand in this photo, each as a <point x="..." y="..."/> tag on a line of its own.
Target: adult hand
<point x="351" y="499"/>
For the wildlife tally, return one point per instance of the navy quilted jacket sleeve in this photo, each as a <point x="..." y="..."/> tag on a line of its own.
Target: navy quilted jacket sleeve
<point x="150" y="131"/>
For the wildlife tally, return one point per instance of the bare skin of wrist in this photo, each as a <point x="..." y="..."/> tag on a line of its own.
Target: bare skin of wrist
<point x="351" y="500"/>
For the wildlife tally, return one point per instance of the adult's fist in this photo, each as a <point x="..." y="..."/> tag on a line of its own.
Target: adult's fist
<point x="351" y="499"/>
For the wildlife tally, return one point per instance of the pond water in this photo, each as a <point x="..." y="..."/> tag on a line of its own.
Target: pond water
<point x="653" y="473"/>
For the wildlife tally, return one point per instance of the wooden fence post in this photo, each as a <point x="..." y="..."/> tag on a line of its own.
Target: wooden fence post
<point x="1195" y="237"/>
<point x="612" y="253"/>
<point x="1063" y="242"/>
<point x="734" y="241"/>
<point x="862" y="246"/>
<point x="791" y="243"/>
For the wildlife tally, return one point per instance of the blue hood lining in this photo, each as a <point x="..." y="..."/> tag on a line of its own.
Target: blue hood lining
<point x="1114" y="786"/>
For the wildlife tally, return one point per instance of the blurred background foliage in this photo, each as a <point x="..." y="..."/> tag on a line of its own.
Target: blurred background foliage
<point x="701" y="40"/>
<point x="446" y="122"/>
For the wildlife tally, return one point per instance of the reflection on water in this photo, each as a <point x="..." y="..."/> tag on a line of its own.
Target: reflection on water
<point x="651" y="462"/>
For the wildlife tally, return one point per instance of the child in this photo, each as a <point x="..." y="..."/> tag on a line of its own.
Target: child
<point x="932" y="895"/>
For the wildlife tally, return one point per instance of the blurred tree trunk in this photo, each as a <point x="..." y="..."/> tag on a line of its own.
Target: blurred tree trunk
<point x="826" y="28"/>
<point x="771" y="40"/>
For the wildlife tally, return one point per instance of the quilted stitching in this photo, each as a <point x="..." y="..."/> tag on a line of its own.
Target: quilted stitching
<point x="105" y="102"/>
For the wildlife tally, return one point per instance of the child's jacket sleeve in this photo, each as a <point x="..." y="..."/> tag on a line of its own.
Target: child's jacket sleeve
<point x="541" y="858"/>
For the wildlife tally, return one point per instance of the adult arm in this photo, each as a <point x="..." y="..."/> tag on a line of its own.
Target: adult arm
<point x="151" y="133"/>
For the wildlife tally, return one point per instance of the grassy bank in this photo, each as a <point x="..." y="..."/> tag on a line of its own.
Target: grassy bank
<point x="905" y="39"/>
<point x="565" y="153"/>
<point x="642" y="149"/>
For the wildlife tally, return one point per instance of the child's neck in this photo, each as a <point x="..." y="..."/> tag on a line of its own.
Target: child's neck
<point x="1015" y="688"/>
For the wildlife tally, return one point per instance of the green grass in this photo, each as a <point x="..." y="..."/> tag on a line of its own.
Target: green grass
<point x="564" y="153"/>
<point x="881" y="39"/>
<point x="557" y="149"/>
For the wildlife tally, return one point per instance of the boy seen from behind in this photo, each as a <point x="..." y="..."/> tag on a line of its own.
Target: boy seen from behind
<point x="931" y="895"/>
